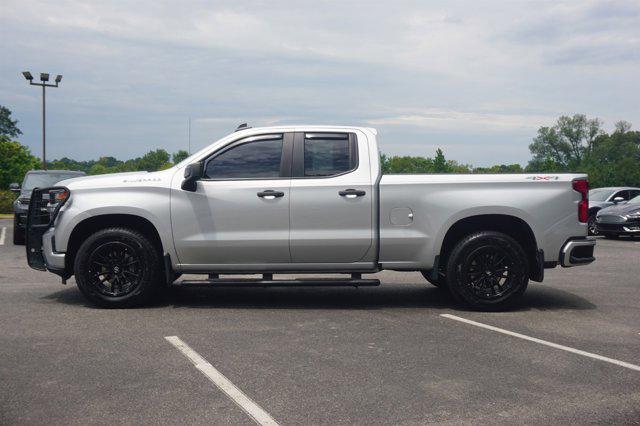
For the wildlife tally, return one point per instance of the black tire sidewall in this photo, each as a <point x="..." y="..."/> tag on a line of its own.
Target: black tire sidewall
<point x="440" y="283"/>
<point x="150" y="268"/>
<point x="458" y="287"/>
<point x="590" y="220"/>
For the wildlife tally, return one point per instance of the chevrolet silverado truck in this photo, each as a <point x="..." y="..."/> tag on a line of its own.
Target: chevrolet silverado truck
<point x="306" y="200"/>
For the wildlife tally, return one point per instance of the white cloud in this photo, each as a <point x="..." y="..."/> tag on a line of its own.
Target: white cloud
<point x="412" y="68"/>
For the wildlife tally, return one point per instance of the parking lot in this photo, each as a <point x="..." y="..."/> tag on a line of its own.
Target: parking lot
<point x="376" y="355"/>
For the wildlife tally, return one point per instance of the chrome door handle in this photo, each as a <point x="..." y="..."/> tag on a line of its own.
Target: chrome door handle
<point x="351" y="193"/>
<point x="270" y="194"/>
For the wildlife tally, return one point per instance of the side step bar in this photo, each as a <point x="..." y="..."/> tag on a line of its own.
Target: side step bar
<point x="268" y="281"/>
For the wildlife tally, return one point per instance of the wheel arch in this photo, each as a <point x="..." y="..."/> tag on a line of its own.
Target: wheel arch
<point x="515" y="227"/>
<point x="93" y="224"/>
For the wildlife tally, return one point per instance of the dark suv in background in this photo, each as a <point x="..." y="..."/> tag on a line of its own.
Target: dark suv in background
<point x="33" y="179"/>
<point x="599" y="198"/>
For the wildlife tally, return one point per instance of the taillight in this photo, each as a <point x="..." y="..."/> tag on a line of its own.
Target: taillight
<point x="582" y="186"/>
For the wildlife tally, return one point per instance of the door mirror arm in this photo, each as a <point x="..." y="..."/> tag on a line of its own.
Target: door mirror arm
<point x="192" y="173"/>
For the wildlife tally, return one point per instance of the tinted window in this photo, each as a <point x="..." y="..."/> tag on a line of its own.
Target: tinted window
<point x="259" y="159"/>
<point x="599" y="194"/>
<point x="633" y="193"/>
<point x="623" y="194"/>
<point x="326" y="157"/>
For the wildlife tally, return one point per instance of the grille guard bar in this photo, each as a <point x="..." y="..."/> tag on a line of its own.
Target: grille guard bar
<point x="39" y="220"/>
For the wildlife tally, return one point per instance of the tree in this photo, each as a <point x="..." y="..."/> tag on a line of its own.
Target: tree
<point x="408" y="164"/>
<point x="615" y="158"/>
<point x="439" y="162"/>
<point x="564" y="146"/>
<point x="8" y="127"/>
<point x="15" y="161"/>
<point x="502" y="168"/>
<point x="154" y="160"/>
<point x="179" y="156"/>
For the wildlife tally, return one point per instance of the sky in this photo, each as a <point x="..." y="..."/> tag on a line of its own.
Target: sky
<point x="476" y="79"/>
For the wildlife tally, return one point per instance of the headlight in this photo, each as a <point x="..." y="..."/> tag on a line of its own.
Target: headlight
<point x="634" y="215"/>
<point x="57" y="198"/>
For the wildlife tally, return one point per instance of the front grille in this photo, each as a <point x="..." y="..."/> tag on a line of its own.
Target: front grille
<point x="607" y="218"/>
<point x="604" y="227"/>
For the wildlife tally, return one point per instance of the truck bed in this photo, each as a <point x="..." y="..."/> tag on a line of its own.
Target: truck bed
<point x="546" y="202"/>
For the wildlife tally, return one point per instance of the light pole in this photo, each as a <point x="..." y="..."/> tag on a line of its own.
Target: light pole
<point x="44" y="77"/>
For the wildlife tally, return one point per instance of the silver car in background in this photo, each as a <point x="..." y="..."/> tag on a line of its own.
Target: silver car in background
<point x="600" y="198"/>
<point x="620" y="219"/>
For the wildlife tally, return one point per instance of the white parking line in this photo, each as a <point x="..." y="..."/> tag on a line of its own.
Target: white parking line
<point x="544" y="342"/>
<point x="3" y="233"/>
<point x="251" y="408"/>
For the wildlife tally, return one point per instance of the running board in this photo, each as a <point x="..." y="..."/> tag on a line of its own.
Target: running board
<point x="261" y="282"/>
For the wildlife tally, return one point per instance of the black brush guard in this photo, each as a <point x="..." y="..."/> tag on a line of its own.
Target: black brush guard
<point x="38" y="221"/>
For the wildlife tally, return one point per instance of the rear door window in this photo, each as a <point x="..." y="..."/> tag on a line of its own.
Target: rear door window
<point x="328" y="154"/>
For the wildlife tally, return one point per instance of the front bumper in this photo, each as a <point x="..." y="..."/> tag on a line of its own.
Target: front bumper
<point x="40" y="238"/>
<point x="630" y="227"/>
<point x="577" y="252"/>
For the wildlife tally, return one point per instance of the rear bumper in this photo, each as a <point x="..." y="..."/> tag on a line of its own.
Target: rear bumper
<point x="577" y="252"/>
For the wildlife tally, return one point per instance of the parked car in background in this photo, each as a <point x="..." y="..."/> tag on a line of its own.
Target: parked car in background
<point x="33" y="179"/>
<point x="600" y="198"/>
<point x="620" y="219"/>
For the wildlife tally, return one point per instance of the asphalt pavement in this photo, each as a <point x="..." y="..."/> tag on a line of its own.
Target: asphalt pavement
<point x="379" y="355"/>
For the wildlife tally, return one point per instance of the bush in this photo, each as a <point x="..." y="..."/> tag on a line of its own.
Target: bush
<point x="6" y="201"/>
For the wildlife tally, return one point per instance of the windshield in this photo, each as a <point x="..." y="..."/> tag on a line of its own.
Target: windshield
<point x="42" y="180"/>
<point x="600" y="194"/>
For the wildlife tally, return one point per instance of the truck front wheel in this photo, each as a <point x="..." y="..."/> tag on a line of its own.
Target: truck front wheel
<point x="118" y="268"/>
<point x="487" y="271"/>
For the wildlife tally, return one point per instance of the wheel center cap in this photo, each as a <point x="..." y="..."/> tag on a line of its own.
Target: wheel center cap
<point x="116" y="269"/>
<point x="487" y="272"/>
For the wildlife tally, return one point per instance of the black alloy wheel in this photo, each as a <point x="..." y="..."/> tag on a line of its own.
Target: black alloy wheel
<point x="118" y="268"/>
<point x="487" y="270"/>
<point x="114" y="268"/>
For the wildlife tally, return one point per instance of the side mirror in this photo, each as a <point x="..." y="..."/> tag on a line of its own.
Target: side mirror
<point x="618" y="200"/>
<point x="192" y="173"/>
<point x="15" y="187"/>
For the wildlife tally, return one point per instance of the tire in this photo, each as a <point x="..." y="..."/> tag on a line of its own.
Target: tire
<point x="487" y="271"/>
<point x="591" y="225"/>
<point x="118" y="268"/>
<point x="440" y="282"/>
<point x="610" y="236"/>
<point x="18" y="234"/>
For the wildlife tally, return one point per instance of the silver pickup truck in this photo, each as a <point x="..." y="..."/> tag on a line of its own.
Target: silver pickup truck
<point x="306" y="200"/>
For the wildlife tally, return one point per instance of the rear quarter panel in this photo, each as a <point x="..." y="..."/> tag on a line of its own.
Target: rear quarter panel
<point x="547" y="203"/>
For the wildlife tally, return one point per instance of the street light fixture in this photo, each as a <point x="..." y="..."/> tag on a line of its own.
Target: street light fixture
<point x="44" y="78"/>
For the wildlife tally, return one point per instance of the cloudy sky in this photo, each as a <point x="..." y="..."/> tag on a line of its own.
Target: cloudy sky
<point x="475" y="78"/>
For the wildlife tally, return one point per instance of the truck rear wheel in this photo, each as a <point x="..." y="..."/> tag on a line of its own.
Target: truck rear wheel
<point x="487" y="271"/>
<point x="118" y="268"/>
